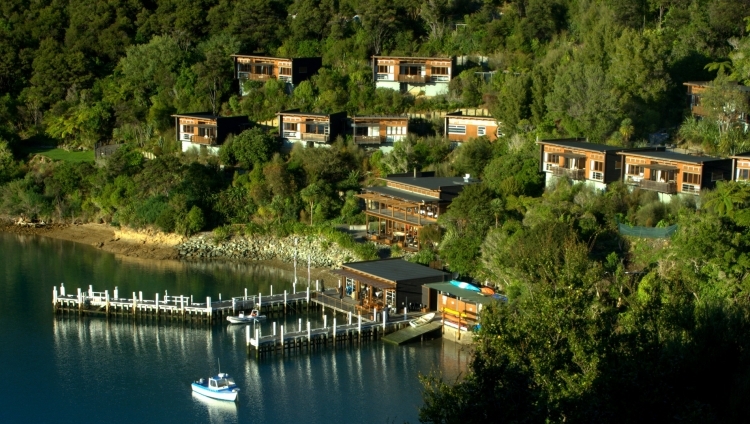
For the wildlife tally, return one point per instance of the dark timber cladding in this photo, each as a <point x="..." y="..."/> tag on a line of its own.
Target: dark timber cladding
<point x="397" y="281"/>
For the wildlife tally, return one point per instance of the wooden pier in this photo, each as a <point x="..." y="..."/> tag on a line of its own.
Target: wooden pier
<point x="178" y="307"/>
<point x="411" y="333"/>
<point x="354" y="331"/>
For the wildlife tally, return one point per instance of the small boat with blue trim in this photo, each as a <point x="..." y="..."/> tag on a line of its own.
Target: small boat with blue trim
<point x="221" y="387"/>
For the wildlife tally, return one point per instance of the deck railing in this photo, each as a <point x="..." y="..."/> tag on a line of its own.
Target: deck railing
<point x="316" y="137"/>
<point x="418" y="79"/>
<point x="367" y="139"/>
<point x="660" y="186"/>
<point x="573" y="174"/>
<point x="203" y="140"/>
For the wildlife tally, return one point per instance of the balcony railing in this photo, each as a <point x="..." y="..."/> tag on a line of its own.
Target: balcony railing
<point x="416" y="79"/>
<point x="573" y="174"/>
<point x="324" y="138"/>
<point x="367" y="139"/>
<point x="660" y="186"/>
<point x="198" y="139"/>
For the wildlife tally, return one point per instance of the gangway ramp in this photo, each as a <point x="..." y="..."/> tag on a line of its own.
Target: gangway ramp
<point x="410" y="333"/>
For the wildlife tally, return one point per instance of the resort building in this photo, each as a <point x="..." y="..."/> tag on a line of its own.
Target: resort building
<point x="396" y="211"/>
<point x="377" y="131"/>
<point x="460" y="307"/>
<point x="741" y="167"/>
<point x="695" y="91"/>
<point x="292" y="71"/>
<point x="460" y="128"/>
<point x="311" y="129"/>
<point x="425" y="76"/>
<point x="671" y="173"/>
<point x="385" y="284"/>
<point x="205" y="132"/>
<point x="579" y="160"/>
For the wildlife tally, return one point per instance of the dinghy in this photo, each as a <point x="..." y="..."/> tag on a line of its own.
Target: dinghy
<point x="221" y="387"/>
<point x="246" y="319"/>
<point x="424" y="319"/>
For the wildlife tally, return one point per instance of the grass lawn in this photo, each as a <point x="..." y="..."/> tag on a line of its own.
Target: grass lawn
<point x="60" y="154"/>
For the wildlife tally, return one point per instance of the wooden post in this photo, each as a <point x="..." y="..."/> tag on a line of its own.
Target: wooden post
<point x="334" y="331"/>
<point x="140" y="296"/>
<point x="294" y="287"/>
<point x="62" y="290"/>
<point x="385" y="318"/>
<point x="245" y="294"/>
<point x="325" y="321"/>
<point x="308" y="334"/>
<point x="260" y="297"/>
<point x="282" y="339"/>
<point x="285" y="301"/>
<point x="299" y="326"/>
<point x="359" y="327"/>
<point x="308" y="295"/>
<point x="257" y="342"/>
<point x="157" y="304"/>
<point x="247" y="336"/>
<point x="375" y="314"/>
<point x="135" y="302"/>
<point x="317" y="285"/>
<point x="106" y="302"/>
<point x="54" y="299"/>
<point x="234" y="306"/>
<point x="117" y="293"/>
<point x="91" y="291"/>
<point x="404" y="312"/>
<point x="182" y="305"/>
<point x="80" y="300"/>
<point x="350" y="318"/>
<point x="271" y="289"/>
<point x="274" y="328"/>
<point x="208" y="308"/>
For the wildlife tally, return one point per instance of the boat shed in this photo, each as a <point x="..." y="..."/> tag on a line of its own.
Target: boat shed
<point x="460" y="307"/>
<point x="387" y="283"/>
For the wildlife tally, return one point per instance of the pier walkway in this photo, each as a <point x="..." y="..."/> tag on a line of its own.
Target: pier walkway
<point x="411" y="333"/>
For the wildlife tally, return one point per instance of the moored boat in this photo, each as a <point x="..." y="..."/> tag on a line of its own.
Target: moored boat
<point x="221" y="387"/>
<point x="253" y="316"/>
<point x="424" y="319"/>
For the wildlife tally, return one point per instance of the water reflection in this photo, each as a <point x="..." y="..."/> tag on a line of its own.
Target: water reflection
<point x="218" y="411"/>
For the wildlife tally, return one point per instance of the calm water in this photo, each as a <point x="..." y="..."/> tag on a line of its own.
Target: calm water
<point x="71" y="369"/>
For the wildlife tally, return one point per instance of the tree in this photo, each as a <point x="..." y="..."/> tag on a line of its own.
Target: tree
<point x="253" y="147"/>
<point x="311" y="194"/>
<point x="215" y="72"/>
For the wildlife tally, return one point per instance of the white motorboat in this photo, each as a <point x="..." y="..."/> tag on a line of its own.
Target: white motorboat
<point x="424" y="319"/>
<point x="253" y="316"/>
<point x="221" y="387"/>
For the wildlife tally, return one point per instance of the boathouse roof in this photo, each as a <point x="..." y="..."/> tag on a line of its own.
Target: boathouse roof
<point x="395" y="270"/>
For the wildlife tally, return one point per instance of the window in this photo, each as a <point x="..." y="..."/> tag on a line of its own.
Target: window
<point x="743" y="174"/>
<point x="457" y="129"/>
<point x="690" y="188"/>
<point x="411" y="70"/>
<point x="317" y="129"/>
<point x="382" y="69"/>
<point x="207" y="132"/>
<point x="360" y="131"/>
<point x="439" y="70"/>
<point x="618" y="165"/>
<point x="597" y="166"/>
<point x="552" y="160"/>
<point x="689" y="178"/>
<point x="302" y="69"/>
<point x="717" y="176"/>
<point x="635" y="170"/>
<point x="285" y="71"/>
<point x="263" y="69"/>
<point x="290" y="126"/>
<point x="390" y="298"/>
<point x="481" y="131"/>
<point x="245" y="67"/>
<point x="395" y="130"/>
<point x="187" y="129"/>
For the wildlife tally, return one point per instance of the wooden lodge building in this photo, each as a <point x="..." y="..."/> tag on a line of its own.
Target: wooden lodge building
<point x="386" y="283"/>
<point x="695" y="90"/>
<point x="460" y="128"/>
<point x="310" y="129"/>
<point x="379" y="130"/>
<point x="428" y="76"/>
<point x="671" y="173"/>
<point x="397" y="211"/>
<point x="292" y="71"/>
<point x="741" y="167"/>
<point x="460" y="308"/>
<point x="205" y="131"/>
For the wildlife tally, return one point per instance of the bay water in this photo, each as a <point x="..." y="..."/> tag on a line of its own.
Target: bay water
<point x="66" y="368"/>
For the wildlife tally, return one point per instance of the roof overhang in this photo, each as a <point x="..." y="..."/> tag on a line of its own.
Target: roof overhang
<point x="369" y="281"/>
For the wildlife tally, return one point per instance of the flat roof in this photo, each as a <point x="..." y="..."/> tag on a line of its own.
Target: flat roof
<point x="380" y="117"/>
<point x="402" y="194"/>
<point x="741" y="155"/>
<point x="708" y="83"/>
<point x="470" y="295"/>
<point x="396" y="269"/>
<point x="430" y="183"/>
<point x="576" y="143"/>
<point x="197" y="115"/>
<point x="460" y="114"/>
<point x="673" y="156"/>
<point x="298" y="112"/>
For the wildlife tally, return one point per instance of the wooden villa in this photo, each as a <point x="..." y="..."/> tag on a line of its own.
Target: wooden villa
<point x="396" y="211"/>
<point x="378" y="130"/>
<point x="427" y="76"/>
<point x="695" y="91"/>
<point x="206" y="132"/>
<point x="671" y="173"/>
<point x="292" y="71"/>
<point x="460" y="308"/>
<point x="460" y="128"/>
<point x="386" y="284"/>
<point x="311" y="129"/>
<point x="741" y="167"/>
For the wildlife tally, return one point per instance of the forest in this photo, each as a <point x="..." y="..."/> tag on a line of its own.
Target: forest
<point x="599" y="327"/>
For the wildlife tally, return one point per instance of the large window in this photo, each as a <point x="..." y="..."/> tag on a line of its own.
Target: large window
<point x="597" y="170"/>
<point x="457" y="129"/>
<point x="290" y="126"/>
<point x="187" y="129"/>
<point x="285" y="71"/>
<point x="395" y="130"/>
<point x="383" y="69"/>
<point x="411" y="70"/>
<point x="690" y="178"/>
<point x="317" y="129"/>
<point x="207" y="132"/>
<point x="263" y="69"/>
<point x="439" y="70"/>
<point x="635" y="170"/>
<point x="743" y="174"/>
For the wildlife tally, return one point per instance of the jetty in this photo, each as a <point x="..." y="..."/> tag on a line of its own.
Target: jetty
<point x="90" y="302"/>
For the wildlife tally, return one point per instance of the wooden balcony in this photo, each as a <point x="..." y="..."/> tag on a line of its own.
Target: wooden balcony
<point x="198" y="139"/>
<point x="321" y="138"/>
<point x="660" y="186"/>
<point x="415" y="79"/>
<point x="573" y="174"/>
<point x="366" y="139"/>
